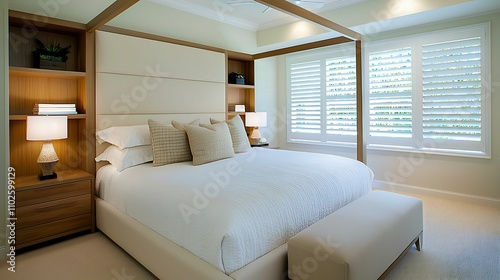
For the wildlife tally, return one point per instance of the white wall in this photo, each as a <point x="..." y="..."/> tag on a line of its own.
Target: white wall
<point x="266" y="99"/>
<point x="4" y="121"/>
<point x="172" y="23"/>
<point x="449" y="176"/>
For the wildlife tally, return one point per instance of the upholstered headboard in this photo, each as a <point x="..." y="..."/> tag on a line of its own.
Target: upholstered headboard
<point x="139" y="79"/>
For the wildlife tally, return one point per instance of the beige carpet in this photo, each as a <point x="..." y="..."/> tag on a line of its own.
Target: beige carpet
<point x="461" y="241"/>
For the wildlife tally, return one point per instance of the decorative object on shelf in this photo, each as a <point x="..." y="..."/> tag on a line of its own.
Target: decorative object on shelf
<point x="236" y="108"/>
<point x="255" y="120"/>
<point x="239" y="108"/>
<point x="50" y="56"/>
<point x="47" y="128"/>
<point x="236" y="78"/>
<point x="54" y="109"/>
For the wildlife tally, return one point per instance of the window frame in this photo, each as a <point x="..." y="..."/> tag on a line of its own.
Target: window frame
<point x="324" y="54"/>
<point x="418" y="143"/>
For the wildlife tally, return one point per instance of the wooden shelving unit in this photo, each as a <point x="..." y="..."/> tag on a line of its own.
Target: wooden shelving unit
<point x="238" y="93"/>
<point x="29" y="85"/>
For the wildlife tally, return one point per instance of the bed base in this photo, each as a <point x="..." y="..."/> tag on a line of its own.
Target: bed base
<point x="167" y="260"/>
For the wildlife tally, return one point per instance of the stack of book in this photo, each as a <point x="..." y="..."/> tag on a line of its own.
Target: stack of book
<point x="54" y="109"/>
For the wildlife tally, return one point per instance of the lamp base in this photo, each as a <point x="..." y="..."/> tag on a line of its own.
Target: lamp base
<point x="42" y="177"/>
<point x="47" y="161"/>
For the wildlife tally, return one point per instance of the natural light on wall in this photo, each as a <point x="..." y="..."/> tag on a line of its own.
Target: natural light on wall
<point x="301" y="29"/>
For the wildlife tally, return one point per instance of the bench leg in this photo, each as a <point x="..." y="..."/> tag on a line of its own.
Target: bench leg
<point x="420" y="241"/>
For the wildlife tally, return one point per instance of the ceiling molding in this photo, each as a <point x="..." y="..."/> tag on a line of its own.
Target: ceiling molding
<point x="295" y="10"/>
<point x="109" y="13"/>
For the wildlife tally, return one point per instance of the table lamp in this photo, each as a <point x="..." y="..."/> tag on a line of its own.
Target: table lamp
<point x="255" y="120"/>
<point x="47" y="128"/>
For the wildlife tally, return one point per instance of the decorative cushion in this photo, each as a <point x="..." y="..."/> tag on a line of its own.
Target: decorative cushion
<point x="238" y="134"/>
<point x="122" y="159"/>
<point x="170" y="145"/>
<point x="209" y="142"/>
<point x="125" y="136"/>
<point x="180" y="125"/>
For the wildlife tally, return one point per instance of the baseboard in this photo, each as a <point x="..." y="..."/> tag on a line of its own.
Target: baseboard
<point x="487" y="201"/>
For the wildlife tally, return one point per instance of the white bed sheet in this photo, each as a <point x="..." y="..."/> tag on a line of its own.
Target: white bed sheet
<point x="232" y="211"/>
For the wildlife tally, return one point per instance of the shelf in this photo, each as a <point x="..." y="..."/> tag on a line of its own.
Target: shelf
<point x="70" y="117"/>
<point x="241" y="86"/>
<point x="236" y="113"/>
<point x="36" y="72"/>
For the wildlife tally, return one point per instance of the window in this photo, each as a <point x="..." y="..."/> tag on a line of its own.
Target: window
<point x="426" y="92"/>
<point x="430" y="92"/>
<point x="322" y="97"/>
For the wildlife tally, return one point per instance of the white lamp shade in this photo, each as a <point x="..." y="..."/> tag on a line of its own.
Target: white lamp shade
<point x="44" y="128"/>
<point x="257" y="119"/>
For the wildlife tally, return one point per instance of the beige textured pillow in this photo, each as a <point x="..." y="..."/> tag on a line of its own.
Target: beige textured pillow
<point x="238" y="134"/>
<point x="170" y="145"/>
<point x="180" y="125"/>
<point x="209" y="142"/>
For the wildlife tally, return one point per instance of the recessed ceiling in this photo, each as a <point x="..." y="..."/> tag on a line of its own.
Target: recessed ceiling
<point x="249" y="14"/>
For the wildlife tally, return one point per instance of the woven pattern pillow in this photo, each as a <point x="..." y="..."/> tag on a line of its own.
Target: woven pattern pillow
<point x="238" y="134"/>
<point x="170" y="145"/>
<point x="209" y="142"/>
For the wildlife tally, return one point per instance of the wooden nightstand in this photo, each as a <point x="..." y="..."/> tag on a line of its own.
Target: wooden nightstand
<point x="53" y="208"/>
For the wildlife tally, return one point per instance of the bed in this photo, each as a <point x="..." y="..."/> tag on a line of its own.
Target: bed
<point x="286" y="191"/>
<point x="234" y="213"/>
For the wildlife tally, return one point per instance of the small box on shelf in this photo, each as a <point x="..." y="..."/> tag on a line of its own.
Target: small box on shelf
<point x="236" y="78"/>
<point x="237" y="108"/>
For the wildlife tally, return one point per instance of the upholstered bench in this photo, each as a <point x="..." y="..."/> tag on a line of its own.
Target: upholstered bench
<point x="360" y="241"/>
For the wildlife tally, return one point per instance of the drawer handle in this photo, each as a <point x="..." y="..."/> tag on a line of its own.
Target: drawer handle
<point x="58" y="206"/>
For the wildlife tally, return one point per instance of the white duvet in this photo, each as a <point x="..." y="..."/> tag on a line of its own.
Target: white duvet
<point x="232" y="211"/>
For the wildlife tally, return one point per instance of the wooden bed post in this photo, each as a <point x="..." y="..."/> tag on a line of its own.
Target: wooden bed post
<point x="360" y="144"/>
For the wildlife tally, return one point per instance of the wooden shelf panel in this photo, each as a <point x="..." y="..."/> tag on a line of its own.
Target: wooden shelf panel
<point x="70" y="117"/>
<point x="36" y="72"/>
<point x="236" y="113"/>
<point x="241" y="86"/>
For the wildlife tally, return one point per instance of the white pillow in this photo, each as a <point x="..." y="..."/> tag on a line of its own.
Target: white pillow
<point x="125" y="136"/>
<point x="122" y="159"/>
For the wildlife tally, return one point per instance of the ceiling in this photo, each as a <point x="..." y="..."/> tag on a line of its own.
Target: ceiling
<point x="200" y="21"/>
<point x="250" y="14"/>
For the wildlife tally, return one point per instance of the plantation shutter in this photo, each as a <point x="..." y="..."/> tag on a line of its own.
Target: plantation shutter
<point x="305" y="98"/>
<point x="390" y="78"/>
<point x="452" y="90"/>
<point x="341" y="97"/>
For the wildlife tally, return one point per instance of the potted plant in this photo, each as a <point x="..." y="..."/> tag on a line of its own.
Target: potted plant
<point x="50" y="56"/>
<point x="236" y="78"/>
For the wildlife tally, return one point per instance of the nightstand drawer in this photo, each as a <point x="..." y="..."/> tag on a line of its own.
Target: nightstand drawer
<point x="44" y="232"/>
<point x="45" y="194"/>
<point x="46" y="212"/>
